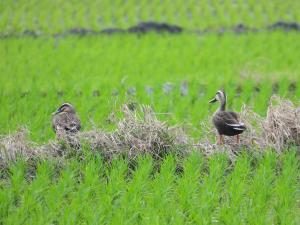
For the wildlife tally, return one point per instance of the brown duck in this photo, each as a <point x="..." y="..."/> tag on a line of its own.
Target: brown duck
<point x="227" y="123"/>
<point x="65" y="119"/>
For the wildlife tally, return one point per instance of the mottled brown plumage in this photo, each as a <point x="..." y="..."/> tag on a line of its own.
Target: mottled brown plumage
<point x="65" y="120"/>
<point x="227" y="123"/>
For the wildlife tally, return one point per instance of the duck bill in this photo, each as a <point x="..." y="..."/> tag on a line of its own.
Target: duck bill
<point x="213" y="100"/>
<point x="54" y="113"/>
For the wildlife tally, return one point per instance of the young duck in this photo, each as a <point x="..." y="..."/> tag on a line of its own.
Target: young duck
<point x="227" y="123"/>
<point x="65" y="119"/>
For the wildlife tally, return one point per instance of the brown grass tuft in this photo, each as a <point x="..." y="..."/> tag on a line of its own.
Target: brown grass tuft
<point x="139" y="132"/>
<point x="17" y="145"/>
<point x="281" y="127"/>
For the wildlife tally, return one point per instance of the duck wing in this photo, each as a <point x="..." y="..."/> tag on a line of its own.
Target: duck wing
<point x="234" y="115"/>
<point x="238" y="125"/>
<point x="228" y="121"/>
<point x="224" y="118"/>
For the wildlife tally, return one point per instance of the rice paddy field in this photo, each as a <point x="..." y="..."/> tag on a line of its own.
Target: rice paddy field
<point x="54" y="51"/>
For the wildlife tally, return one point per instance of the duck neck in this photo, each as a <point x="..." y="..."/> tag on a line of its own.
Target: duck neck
<point x="223" y="105"/>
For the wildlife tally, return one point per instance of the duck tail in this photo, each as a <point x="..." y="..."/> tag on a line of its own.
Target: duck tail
<point x="237" y="126"/>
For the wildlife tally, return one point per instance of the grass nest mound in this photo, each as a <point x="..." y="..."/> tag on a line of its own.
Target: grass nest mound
<point x="17" y="145"/>
<point x="139" y="132"/>
<point x="281" y="127"/>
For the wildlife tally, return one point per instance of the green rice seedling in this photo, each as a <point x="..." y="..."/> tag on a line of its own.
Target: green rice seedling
<point x="187" y="189"/>
<point x="286" y="190"/>
<point x="56" y="198"/>
<point x="11" y="191"/>
<point x="260" y="194"/>
<point x="210" y="190"/>
<point x="109" y="192"/>
<point x="30" y="205"/>
<point x="132" y="200"/>
<point x="84" y="200"/>
<point x="235" y="191"/>
<point x="160" y="196"/>
<point x="94" y="206"/>
<point x="63" y="192"/>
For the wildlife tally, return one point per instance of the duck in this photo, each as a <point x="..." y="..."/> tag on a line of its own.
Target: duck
<point x="227" y="123"/>
<point x="65" y="120"/>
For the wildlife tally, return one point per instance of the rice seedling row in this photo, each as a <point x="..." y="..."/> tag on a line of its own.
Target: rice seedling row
<point x="260" y="190"/>
<point x="57" y="16"/>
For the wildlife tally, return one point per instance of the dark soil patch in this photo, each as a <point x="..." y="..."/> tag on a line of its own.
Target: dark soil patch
<point x="275" y="88"/>
<point x="292" y="87"/>
<point x="242" y="28"/>
<point x="287" y="26"/>
<point x="31" y="33"/>
<point x="257" y="88"/>
<point x="145" y="27"/>
<point x="112" y="31"/>
<point x="81" y="31"/>
<point x="96" y="93"/>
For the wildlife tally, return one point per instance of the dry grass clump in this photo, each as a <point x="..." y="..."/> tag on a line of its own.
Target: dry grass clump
<point x="281" y="127"/>
<point x="139" y="132"/>
<point x="278" y="130"/>
<point x="17" y="145"/>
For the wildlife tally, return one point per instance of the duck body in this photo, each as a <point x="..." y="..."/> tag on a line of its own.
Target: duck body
<point x="65" y="120"/>
<point x="226" y="122"/>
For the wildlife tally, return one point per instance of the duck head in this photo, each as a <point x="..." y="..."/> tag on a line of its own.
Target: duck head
<point x="65" y="107"/>
<point x="221" y="97"/>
